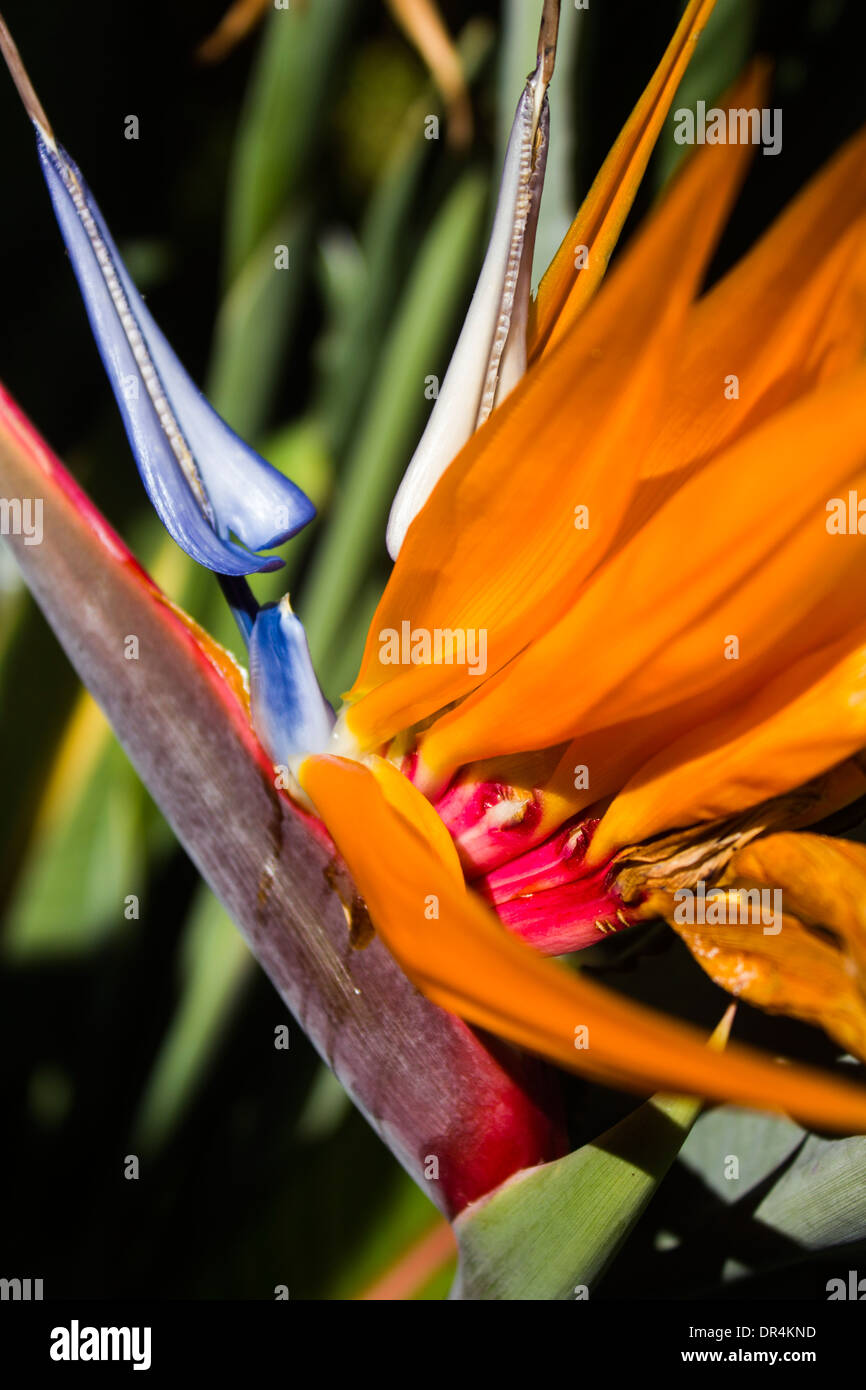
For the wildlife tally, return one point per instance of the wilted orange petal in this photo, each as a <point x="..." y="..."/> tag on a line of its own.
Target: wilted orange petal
<point x="811" y="716"/>
<point x="566" y="289"/>
<point x="454" y="949"/>
<point x="794" y="973"/>
<point x="741" y="551"/>
<point x="569" y="436"/>
<point x="823" y="882"/>
<point x="812" y="967"/>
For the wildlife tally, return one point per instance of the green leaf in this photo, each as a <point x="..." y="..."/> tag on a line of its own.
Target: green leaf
<point x="215" y="964"/>
<point x="413" y="350"/>
<point x="85" y="857"/>
<point x="403" y="1218"/>
<point x="820" y="1200"/>
<point x="282" y="120"/>
<point x="759" y="1143"/>
<point x="551" y="1232"/>
<point x="793" y="1192"/>
<point x="361" y="319"/>
<point x="340" y="666"/>
<point x="254" y="323"/>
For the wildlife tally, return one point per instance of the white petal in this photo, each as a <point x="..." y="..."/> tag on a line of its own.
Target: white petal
<point x="490" y="356"/>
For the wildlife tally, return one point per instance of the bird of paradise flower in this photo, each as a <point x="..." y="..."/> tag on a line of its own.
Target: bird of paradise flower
<point x="588" y="498"/>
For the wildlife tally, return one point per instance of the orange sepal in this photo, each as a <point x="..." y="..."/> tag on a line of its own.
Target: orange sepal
<point x="810" y="963"/>
<point x="741" y="550"/>
<point x="418" y="812"/>
<point x="791" y="314"/>
<point x="809" y="717"/>
<point x="571" y="436"/>
<point x="566" y="289"/>
<point x="454" y="949"/>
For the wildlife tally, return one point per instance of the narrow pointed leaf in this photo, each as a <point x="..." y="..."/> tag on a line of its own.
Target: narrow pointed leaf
<point x="383" y="437"/>
<point x="794" y="1194"/>
<point x="552" y="1232"/>
<point x="818" y="1200"/>
<point x="215" y="965"/>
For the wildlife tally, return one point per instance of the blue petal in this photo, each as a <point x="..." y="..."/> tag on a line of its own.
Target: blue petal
<point x="203" y="480"/>
<point x="290" y="714"/>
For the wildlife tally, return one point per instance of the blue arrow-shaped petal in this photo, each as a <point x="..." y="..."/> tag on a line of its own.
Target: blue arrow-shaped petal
<point x="290" y="714"/>
<point x="204" y="481"/>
